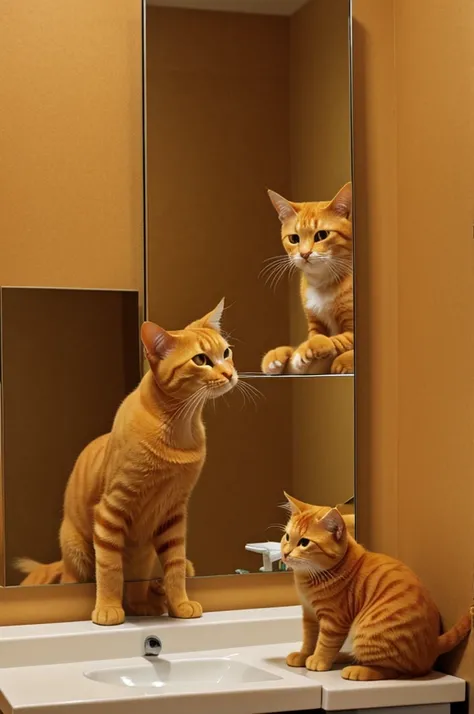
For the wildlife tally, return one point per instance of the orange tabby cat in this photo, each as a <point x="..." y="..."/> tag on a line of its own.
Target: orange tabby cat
<point x="127" y="497"/>
<point x="344" y="588"/>
<point x="317" y="237"/>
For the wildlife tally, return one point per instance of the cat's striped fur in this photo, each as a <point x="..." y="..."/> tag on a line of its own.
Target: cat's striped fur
<point x="126" y="500"/>
<point x="343" y="588"/>
<point x="317" y="237"/>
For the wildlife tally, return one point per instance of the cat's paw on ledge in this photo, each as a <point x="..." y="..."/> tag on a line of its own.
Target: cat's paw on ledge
<point x="108" y="615"/>
<point x="275" y="361"/>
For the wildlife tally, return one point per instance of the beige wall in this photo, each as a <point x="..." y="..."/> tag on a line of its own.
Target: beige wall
<point x="323" y="415"/>
<point x="414" y="107"/>
<point x="70" y="141"/>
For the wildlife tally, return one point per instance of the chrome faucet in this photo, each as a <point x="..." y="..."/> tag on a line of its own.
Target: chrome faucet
<point x="152" y="646"/>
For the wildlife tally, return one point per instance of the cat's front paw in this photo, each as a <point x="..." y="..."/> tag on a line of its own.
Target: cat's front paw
<point x="108" y="615"/>
<point x="318" y="347"/>
<point x="275" y="361"/>
<point x="359" y="673"/>
<point x="316" y="664"/>
<point x="344" y="364"/>
<point x="186" y="610"/>
<point x="296" y="659"/>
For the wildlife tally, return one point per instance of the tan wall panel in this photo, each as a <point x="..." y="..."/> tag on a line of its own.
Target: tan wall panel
<point x="71" y="144"/>
<point x="436" y="297"/>
<point x="414" y="178"/>
<point x="376" y="260"/>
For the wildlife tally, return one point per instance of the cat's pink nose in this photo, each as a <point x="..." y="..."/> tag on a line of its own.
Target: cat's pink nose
<point x="305" y="255"/>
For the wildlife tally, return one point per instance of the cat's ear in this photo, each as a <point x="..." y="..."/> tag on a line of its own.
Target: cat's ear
<point x="157" y="342"/>
<point x="296" y="506"/>
<point x="342" y="201"/>
<point x="334" y="523"/>
<point x="212" y="319"/>
<point x="285" y="209"/>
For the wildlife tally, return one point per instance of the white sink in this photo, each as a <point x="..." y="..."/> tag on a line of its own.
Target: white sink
<point x="179" y="674"/>
<point x="229" y="662"/>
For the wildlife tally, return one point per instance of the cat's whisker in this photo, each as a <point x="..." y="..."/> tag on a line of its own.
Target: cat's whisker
<point x="188" y="405"/>
<point x="274" y="270"/>
<point x="275" y="257"/>
<point x="278" y="526"/>
<point x="245" y="395"/>
<point x="267" y="268"/>
<point x="187" y="411"/>
<point x="277" y="275"/>
<point x="254" y="389"/>
<point x="249" y="393"/>
<point x="252" y="392"/>
<point x="229" y="337"/>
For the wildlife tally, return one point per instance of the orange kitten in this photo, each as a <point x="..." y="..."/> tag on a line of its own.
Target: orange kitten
<point x="345" y="589"/>
<point x="317" y="237"/>
<point x="127" y="498"/>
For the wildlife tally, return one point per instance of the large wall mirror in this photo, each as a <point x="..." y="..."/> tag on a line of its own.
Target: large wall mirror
<point x="248" y="197"/>
<point x="243" y="97"/>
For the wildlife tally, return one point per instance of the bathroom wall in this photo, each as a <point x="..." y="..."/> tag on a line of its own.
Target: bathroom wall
<point x="323" y="416"/>
<point x="414" y="111"/>
<point x="71" y="143"/>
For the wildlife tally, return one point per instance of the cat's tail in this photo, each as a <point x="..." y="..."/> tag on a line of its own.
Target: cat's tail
<point x="190" y="571"/>
<point x="455" y="635"/>
<point x="39" y="573"/>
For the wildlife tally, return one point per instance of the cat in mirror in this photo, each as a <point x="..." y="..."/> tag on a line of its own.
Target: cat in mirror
<point x="343" y="588"/>
<point x="317" y="238"/>
<point x="126" y="501"/>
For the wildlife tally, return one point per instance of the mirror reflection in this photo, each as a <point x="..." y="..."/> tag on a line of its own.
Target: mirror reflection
<point x="249" y="197"/>
<point x="231" y="131"/>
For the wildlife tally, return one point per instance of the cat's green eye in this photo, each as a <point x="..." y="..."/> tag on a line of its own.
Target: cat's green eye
<point x="227" y="353"/>
<point x="303" y="542"/>
<point x="287" y="537"/>
<point x="294" y="238"/>
<point x="320" y="235"/>
<point x="201" y="360"/>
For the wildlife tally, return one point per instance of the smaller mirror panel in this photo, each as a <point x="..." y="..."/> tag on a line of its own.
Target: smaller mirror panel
<point x="69" y="357"/>
<point x="297" y="437"/>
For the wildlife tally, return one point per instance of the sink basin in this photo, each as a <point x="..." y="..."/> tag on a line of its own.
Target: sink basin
<point x="181" y="674"/>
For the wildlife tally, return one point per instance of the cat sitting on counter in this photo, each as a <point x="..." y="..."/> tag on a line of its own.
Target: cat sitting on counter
<point x="343" y="588"/>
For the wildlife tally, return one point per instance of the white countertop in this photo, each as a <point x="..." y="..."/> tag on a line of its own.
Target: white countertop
<point x="55" y="657"/>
